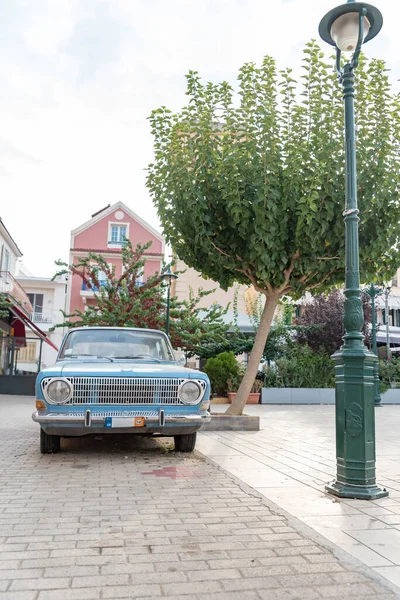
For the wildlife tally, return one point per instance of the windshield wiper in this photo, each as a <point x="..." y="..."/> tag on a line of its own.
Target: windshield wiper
<point x="144" y="356"/>
<point x="92" y="355"/>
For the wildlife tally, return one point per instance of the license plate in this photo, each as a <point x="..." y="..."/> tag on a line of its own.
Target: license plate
<point x="112" y="422"/>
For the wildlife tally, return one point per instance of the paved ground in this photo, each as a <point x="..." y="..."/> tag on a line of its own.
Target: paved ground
<point x="113" y="518"/>
<point x="292" y="458"/>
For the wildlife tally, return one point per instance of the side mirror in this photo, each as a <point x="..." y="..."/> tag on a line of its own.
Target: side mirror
<point x="181" y="361"/>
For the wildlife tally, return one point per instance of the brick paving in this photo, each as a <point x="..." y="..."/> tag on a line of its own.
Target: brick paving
<point x="128" y="518"/>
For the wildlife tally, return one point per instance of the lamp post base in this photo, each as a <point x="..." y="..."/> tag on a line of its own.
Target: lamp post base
<point x="362" y="492"/>
<point x="355" y="424"/>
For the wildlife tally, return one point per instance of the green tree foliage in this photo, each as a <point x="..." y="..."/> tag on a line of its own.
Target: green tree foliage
<point x="4" y="312"/>
<point x="124" y="301"/>
<point x="232" y="342"/>
<point x="251" y="189"/>
<point x="220" y="369"/>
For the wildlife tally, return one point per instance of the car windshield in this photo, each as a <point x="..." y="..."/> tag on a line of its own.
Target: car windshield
<point x="117" y="344"/>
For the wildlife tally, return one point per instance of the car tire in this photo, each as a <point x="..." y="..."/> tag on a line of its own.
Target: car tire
<point x="185" y="442"/>
<point x="49" y="444"/>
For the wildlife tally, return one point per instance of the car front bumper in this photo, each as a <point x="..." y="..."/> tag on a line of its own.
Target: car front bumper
<point x="91" y="418"/>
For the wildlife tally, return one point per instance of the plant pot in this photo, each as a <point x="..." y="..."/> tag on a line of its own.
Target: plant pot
<point x="253" y="398"/>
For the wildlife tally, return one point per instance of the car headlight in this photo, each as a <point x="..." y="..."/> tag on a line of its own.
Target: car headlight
<point x="58" y="391"/>
<point x="190" y="392"/>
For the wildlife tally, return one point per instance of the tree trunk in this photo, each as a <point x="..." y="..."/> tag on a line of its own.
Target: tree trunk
<point x="239" y="402"/>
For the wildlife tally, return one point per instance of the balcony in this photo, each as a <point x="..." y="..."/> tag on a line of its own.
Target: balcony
<point x="12" y="290"/>
<point x="102" y="283"/>
<point x="42" y="317"/>
<point x="93" y="288"/>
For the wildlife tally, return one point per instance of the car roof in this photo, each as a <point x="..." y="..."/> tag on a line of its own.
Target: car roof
<point x="141" y="329"/>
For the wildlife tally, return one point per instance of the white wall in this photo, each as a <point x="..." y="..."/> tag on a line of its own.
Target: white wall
<point x="54" y="294"/>
<point x="4" y="245"/>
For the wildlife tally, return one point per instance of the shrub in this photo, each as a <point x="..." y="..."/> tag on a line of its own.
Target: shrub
<point x="220" y="369"/>
<point x="389" y="371"/>
<point x="235" y="381"/>
<point x="302" y="368"/>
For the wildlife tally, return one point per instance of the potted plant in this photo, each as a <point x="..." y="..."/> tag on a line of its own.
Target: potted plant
<point x="234" y="383"/>
<point x="220" y="369"/>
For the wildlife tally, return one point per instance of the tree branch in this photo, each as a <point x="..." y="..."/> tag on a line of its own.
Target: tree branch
<point x="219" y="250"/>
<point x="315" y="285"/>
<point x="287" y="272"/>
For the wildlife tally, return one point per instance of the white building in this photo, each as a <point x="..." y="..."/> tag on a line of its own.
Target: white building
<point x="48" y="299"/>
<point x="22" y="341"/>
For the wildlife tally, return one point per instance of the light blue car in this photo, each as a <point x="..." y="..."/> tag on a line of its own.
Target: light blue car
<point x="119" y="380"/>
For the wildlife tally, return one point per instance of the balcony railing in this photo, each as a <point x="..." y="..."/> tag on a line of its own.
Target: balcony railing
<point x="86" y="288"/>
<point x="93" y="288"/>
<point x="40" y="317"/>
<point x="10" y="287"/>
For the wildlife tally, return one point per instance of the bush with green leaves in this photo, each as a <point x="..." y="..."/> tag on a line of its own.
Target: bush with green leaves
<point x="220" y="369"/>
<point x="302" y="368"/>
<point x="389" y="372"/>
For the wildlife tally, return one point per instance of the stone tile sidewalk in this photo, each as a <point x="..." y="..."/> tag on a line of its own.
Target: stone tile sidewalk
<point x="291" y="459"/>
<point x="127" y="518"/>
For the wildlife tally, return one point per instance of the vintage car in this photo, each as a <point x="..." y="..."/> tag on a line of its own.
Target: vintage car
<point x="119" y="380"/>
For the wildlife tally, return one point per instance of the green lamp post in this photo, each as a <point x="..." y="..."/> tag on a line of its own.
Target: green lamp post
<point x="168" y="278"/>
<point x="373" y="291"/>
<point x="346" y="28"/>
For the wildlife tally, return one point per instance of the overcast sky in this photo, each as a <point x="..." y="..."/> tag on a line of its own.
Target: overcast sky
<point x="79" y="78"/>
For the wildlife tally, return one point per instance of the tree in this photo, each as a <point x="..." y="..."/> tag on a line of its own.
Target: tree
<point x="321" y="324"/>
<point x="252" y="190"/>
<point x="125" y="301"/>
<point x="4" y="306"/>
<point x="194" y="327"/>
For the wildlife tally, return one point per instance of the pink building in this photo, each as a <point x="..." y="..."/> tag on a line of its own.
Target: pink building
<point x="104" y="234"/>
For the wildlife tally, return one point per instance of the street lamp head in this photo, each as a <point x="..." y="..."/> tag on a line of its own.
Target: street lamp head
<point x="168" y="277"/>
<point x="340" y="27"/>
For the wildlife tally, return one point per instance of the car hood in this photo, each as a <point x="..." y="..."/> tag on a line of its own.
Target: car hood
<point x="72" y="368"/>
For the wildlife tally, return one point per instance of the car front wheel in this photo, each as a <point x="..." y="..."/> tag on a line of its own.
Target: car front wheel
<point x="185" y="442"/>
<point x="49" y="444"/>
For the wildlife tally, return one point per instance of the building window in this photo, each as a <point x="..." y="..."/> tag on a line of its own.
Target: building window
<point x="37" y="303"/>
<point x="6" y="260"/>
<point x="101" y="276"/>
<point x="117" y="233"/>
<point x="139" y="276"/>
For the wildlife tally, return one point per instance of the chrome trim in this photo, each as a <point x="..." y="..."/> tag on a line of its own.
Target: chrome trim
<point x="45" y="384"/>
<point x="40" y="416"/>
<point x="88" y="418"/>
<point x="200" y="396"/>
<point x="97" y="390"/>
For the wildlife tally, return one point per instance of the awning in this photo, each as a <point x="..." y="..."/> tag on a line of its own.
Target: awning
<point x="19" y="333"/>
<point x="41" y="334"/>
<point x="393" y="339"/>
<point x="393" y="302"/>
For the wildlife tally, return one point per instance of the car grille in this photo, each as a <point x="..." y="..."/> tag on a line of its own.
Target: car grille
<point x="123" y="390"/>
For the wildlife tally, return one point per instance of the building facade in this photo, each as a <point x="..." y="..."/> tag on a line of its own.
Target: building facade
<point x="20" y="337"/>
<point x="104" y="234"/>
<point x="48" y="299"/>
<point x="244" y="297"/>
